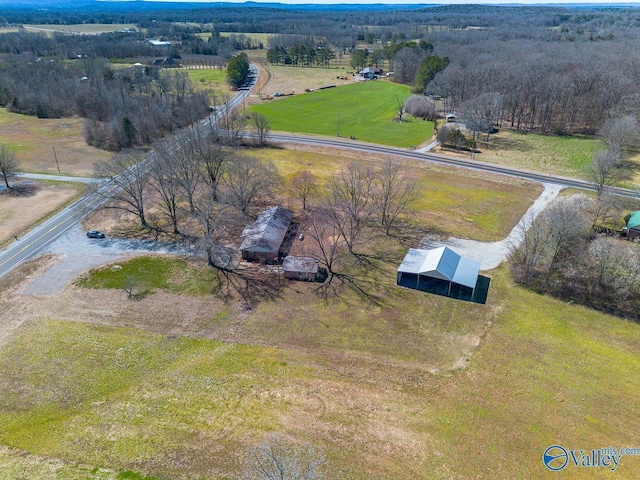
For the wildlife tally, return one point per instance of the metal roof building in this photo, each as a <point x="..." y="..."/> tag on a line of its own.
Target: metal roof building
<point x="441" y="271"/>
<point x="264" y="237"/>
<point x="300" y="268"/>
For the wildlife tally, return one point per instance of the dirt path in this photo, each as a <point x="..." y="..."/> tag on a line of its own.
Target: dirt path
<point x="492" y="254"/>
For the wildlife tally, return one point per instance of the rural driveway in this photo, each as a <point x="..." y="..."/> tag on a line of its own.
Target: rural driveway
<point x="76" y="254"/>
<point x="492" y="254"/>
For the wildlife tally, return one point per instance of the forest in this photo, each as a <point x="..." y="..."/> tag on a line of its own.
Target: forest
<point x="575" y="67"/>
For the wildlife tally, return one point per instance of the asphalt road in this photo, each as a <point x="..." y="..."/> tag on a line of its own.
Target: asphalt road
<point x="36" y="240"/>
<point x="41" y="236"/>
<point x="443" y="160"/>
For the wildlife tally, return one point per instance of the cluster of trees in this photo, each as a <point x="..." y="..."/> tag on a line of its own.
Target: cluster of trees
<point x="301" y="55"/>
<point x="412" y="62"/>
<point x="238" y="70"/>
<point x="560" y="255"/>
<point x="347" y="212"/>
<point x="122" y="108"/>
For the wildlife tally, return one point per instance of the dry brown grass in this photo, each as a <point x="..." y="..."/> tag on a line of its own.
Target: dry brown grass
<point x="18" y="214"/>
<point x="33" y="140"/>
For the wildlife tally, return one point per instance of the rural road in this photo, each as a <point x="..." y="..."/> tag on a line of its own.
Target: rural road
<point x="59" y="178"/>
<point x="36" y="240"/>
<point x="41" y="236"/>
<point x="440" y="159"/>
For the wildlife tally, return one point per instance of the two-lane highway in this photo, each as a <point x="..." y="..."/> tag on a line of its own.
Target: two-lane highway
<point x="443" y="160"/>
<point x="36" y="240"/>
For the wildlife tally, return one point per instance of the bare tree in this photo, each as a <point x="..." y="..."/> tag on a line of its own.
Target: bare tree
<point x="620" y="134"/>
<point x="607" y="168"/>
<point x="420" y="106"/>
<point x="393" y="194"/>
<point x="130" y="175"/>
<point x="262" y="126"/>
<point x="350" y="201"/>
<point x="481" y="113"/>
<point x="280" y="458"/>
<point x="8" y="164"/>
<point x="304" y="185"/>
<point x="399" y="107"/>
<point x="166" y="184"/>
<point x="213" y="158"/>
<point x="186" y="163"/>
<point x="568" y="222"/>
<point x="249" y="179"/>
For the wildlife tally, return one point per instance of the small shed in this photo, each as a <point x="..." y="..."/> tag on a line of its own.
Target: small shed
<point x="451" y="117"/>
<point x="633" y="226"/>
<point x="264" y="237"/>
<point x="300" y="268"/>
<point x="443" y="272"/>
<point x="368" y="73"/>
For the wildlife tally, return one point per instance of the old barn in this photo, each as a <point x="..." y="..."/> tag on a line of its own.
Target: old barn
<point x="264" y="237"/>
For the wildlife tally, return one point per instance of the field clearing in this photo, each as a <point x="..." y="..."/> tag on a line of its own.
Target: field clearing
<point x="369" y="116"/>
<point x="82" y="28"/>
<point x="18" y="214"/>
<point x="211" y="80"/>
<point x="33" y="139"/>
<point x="9" y="30"/>
<point x="468" y="205"/>
<point x="284" y="79"/>
<point x="568" y="156"/>
<point x="544" y="373"/>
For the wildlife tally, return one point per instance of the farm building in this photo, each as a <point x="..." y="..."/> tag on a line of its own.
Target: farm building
<point x="633" y="226"/>
<point x="443" y="272"/>
<point x="300" y="268"/>
<point x="165" y="62"/>
<point x="370" y="72"/>
<point x="264" y="237"/>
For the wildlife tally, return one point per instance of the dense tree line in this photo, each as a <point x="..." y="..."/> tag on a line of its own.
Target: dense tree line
<point x="301" y="55"/>
<point x="122" y="108"/>
<point x="561" y="256"/>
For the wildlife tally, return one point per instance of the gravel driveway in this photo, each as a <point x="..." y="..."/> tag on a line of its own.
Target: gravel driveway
<point x="76" y="253"/>
<point x="492" y="254"/>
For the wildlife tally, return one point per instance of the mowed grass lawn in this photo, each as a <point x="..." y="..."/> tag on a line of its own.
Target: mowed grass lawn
<point x="568" y="156"/>
<point x="365" y="111"/>
<point x="545" y="373"/>
<point x="211" y="80"/>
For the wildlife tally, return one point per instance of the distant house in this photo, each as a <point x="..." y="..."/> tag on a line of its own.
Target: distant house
<point x="158" y="43"/>
<point x="443" y="272"/>
<point x="264" y="237"/>
<point x="300" y="268"/>
<point x="633" y="226"/>
<point x="167" y="62"/>
<point x="451" y="117"/>
<point x="370" y="72"/>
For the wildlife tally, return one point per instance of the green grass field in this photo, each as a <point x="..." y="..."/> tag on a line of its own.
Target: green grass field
<point x="125" y="399"/>
<point x="365" y="111"/>
<point x="170" y="274"/>
<point x="211" y="80"/>
<point x="568" y="156"/>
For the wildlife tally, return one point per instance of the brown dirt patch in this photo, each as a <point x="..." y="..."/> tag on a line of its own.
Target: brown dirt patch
<point x="33" y="140"/>
<point x="17" y="214"/>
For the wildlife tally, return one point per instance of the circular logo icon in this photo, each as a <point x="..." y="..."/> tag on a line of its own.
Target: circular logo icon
<point x="555" y="458"/>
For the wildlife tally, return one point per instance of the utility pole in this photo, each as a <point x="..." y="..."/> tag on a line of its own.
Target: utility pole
<point x="56" y="157"/>
<point x="338" y="129"/>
